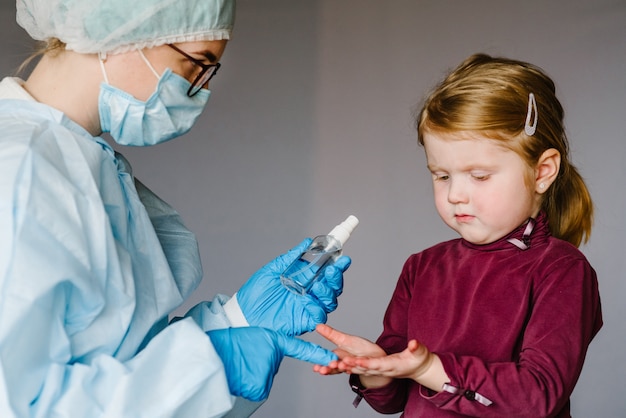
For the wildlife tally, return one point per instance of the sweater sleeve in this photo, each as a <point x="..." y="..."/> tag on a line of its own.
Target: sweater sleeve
<point x="565" y="316"/>
<point x="392" y="398"/>
<point x="559" y="316"/>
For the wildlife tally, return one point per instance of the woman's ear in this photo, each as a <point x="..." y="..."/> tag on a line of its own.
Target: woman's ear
<point x="547" y="169"/>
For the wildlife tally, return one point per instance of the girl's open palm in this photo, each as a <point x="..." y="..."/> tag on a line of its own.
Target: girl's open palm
<point x="348" y="346"/>
<point x="410" y="363"/>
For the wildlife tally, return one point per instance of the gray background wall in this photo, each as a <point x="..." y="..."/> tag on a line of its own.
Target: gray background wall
<point x="311" y="120"/>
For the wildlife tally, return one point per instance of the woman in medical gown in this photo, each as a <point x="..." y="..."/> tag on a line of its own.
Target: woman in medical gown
<point x="92" y="263"/>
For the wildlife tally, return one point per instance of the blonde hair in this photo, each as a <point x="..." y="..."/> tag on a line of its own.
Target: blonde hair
<point x="490" y="95"/>
<point x="52" y="46"/>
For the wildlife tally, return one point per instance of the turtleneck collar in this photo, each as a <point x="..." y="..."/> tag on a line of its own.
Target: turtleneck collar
<point x="530" y="233"/>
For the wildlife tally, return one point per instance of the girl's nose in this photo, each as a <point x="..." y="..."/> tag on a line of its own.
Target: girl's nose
<point x="457" y="192"/>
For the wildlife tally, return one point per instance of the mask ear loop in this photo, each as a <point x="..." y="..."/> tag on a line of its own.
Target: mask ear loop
<point x="102" y="57"/>
<point x="532" y="108"/>
<point x="148" y="64"/>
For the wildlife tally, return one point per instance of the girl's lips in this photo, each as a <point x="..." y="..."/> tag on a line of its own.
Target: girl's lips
<point x="463" y="218"/>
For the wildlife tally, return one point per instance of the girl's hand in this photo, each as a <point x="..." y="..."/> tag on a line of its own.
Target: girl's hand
<point x="416" y="362"/>
<point x="411" y="363"/>
<point x="348" y="346"/>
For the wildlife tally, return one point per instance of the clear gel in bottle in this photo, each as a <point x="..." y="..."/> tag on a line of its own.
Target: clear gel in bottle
<point x="323" y="251"/>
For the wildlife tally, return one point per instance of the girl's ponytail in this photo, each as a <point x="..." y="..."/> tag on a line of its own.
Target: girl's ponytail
<point x="569" y="206"/>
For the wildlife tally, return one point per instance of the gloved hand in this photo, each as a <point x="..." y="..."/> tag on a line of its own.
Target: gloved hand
<point x="265" y="302"/>
<point x="252" y="355"/>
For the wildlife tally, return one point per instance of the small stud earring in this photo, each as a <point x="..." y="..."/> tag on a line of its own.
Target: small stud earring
<point x="542" y="186"/>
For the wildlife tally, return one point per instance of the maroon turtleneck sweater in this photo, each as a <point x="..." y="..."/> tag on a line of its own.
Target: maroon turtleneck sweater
<point x="511" y="325"/>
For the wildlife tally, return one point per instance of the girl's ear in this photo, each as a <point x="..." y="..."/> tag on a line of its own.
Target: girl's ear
<point x="547" y="169"/>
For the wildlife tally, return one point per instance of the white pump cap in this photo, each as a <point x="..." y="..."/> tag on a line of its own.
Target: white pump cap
<point x="342" y="231"/>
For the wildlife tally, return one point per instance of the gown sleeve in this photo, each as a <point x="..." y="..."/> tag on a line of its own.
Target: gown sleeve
<point x="76" y="306"/>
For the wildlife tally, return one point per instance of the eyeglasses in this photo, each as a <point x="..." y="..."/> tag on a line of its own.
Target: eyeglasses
<point x="207" y="72"/>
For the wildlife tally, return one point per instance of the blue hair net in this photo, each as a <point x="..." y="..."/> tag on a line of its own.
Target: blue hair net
<point x="114" y="26"/>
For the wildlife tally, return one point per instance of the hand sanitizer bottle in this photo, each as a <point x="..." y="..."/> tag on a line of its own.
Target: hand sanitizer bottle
<point x="323" y="251"/>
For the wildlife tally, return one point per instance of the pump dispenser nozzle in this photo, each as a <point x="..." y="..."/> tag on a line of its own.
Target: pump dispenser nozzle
<point x="323" y="251"/>
<point x="342" y="231"/>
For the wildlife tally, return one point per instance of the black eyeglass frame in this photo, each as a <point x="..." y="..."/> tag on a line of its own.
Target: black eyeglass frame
<point x="205" y="75"/>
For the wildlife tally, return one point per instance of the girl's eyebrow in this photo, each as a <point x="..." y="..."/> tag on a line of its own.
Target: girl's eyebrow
<point x="466" y="168"/>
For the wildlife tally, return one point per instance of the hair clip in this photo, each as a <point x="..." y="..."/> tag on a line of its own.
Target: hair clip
<point x="532" y="106"/>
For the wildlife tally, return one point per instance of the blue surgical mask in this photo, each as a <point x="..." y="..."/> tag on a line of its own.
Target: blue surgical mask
<point x="167" y="114"/>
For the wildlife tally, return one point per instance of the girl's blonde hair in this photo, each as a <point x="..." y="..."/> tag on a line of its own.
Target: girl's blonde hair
<point x="490" y="96"/>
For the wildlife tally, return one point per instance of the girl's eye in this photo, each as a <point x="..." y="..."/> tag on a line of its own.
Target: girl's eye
<point x="480" y="177"/>
<point x="440" y="177"/>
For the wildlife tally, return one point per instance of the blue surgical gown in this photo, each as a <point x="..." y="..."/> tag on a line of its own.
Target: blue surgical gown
<point x="91" y="264"/>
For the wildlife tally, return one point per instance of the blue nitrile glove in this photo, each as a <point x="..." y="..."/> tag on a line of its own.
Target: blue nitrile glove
<point x="265" y="302"/>
<point x="252" y="355"/>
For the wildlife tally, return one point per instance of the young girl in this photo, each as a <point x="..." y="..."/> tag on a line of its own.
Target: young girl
<point x="496" y="323"/>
